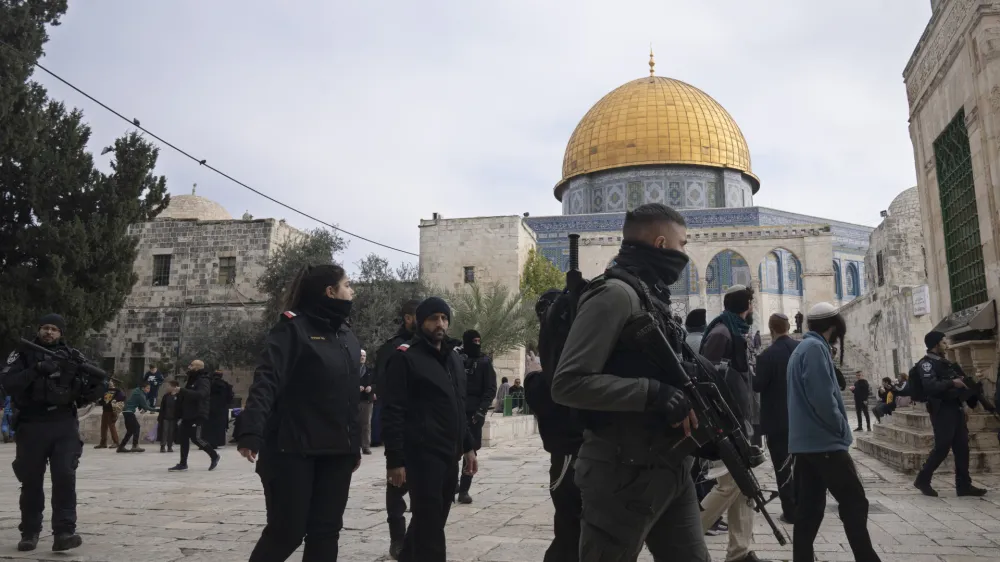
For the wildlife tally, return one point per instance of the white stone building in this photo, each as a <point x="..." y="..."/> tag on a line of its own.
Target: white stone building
<point x="197" y="267"/>
<point x="656" y="139"/>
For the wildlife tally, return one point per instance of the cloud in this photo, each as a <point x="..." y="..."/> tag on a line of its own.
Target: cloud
<point x="374" y="116"/>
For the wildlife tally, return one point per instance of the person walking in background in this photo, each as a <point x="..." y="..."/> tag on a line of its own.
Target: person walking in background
<point x="365" y="405"/>
<point x="155" y="379"/>
<point x="772" y="383"/>
<point x="502" y="393"/>
<point x="757" y="341"/>
<point x="136" y="402"/>
<point x="695" y="324"/>
<point x="819" y="438"/>
<point x="8" y="420"/>
<point x="220" y="398"/>
<point x="301" y="417"/>
<point x="861" y="391"/>
<point x="481" y="388"/>
<point x="168" y="417"/>
<point x="192" y="404"/>
<point x="112" y="403"/>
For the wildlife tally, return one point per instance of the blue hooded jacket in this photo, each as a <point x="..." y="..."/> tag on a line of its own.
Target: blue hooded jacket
<point x="817" y="418"/>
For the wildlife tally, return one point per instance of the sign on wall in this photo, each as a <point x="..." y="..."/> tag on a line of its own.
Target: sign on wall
<point x="921" y="301"/>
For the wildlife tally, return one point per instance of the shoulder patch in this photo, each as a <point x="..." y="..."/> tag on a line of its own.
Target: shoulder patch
<point x="289" y="314"/>
<point x="403" y="347"/>
<point x="12" y="357"/>
<point x="926" y="366"/>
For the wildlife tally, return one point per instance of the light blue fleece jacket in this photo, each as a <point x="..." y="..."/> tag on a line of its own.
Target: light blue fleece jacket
<point x="817" y="418"/>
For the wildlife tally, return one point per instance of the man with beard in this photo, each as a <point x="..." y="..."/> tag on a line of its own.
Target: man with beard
<point x="46" y="393"/>
<point x="481" y="388"/>
<point x="819" y="438"/>
<point x="193" y="405"/>
<point x="425" y="431"/>
<point x="635" y="490"/>
<point x="395" y="505"/>
<point x="728" y="340"/>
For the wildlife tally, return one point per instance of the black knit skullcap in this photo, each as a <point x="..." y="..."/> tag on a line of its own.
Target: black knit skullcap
<point x="432" y="305"/>
<point x="933" y="338"/>
<point x="53" y="320"/>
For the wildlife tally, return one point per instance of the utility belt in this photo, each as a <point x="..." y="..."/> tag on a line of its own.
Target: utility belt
<point x="667" y="453"/>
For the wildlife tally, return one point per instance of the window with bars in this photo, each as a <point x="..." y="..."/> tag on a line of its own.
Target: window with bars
<point x="469" y="274"/>
<point x="227" y="271"/>
<point x="161" y="270"/>
<point x="879" y="265"/>
<point x="959" y="216"/>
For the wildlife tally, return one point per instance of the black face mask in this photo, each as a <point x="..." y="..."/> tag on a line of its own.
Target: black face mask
<point x="665" y="264"/>
<point x="336" y="310"/>
<point x="472" y="349"/>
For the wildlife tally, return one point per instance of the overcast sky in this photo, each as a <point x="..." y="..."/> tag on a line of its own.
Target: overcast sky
<point x="373" y="115"/>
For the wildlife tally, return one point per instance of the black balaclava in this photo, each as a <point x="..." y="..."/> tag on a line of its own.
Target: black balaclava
<point x="472" y="349"/>
<point x="666" y="265"/>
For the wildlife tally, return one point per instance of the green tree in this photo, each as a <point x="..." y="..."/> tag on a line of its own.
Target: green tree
<point x="539" y="275"/>
<point x="64" y="240"/>
<point x="504" y="319"/>
<point x="318" y="247"/>
<point x="379" y="292"/>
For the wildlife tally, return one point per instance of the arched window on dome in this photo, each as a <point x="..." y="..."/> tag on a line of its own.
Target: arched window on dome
<point x="853" y="280"/>
<point x="838" y="287"/>
<point x="726" y="269"/>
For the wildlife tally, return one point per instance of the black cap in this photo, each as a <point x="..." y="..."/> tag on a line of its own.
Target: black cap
<point x="932" y="339"/>
<point x="432" y="305"/>
<point x="54" y="320"/>
<point x="409" y="307"/>
<point x="696" y="318"/>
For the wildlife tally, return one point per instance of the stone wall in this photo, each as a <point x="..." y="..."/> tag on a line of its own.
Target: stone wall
<point x="884" y="333"/>
<point x="152" y="326"/>
<point x="956" y="67"/>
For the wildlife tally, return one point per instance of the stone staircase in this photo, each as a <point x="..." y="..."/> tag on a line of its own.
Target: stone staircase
<point x="904" y="439"/>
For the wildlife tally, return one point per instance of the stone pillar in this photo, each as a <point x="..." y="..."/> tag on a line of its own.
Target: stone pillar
<point x="817" y="271"/>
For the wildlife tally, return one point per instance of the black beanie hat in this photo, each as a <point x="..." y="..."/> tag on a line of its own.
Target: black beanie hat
<point x="932" y="339"/>
<point x="432" y="305"/>
<point x="696" y="318"/>
<point x="54" y="320"/>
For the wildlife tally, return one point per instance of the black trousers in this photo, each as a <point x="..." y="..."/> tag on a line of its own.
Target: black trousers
<point x="56" y="444"/>
<point x="777" y="446"/>
<point x="131" y="430"/>
<point x="815" y="473"/>
<point x="477" y="437"/>
<point x="950" y="434"/>
<point x="431" y="481"/>
<point x="566" y="499"/>
<point x="395" y="506"/>
<point x="305" y="499"/>
<point x="191" y="431"/>
<point x="861" y="406"/>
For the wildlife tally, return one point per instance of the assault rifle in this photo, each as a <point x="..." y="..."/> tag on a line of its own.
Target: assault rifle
<point x="718" y="426"/>
<point x="974" y="389"/>
<point x="92" y="374"/>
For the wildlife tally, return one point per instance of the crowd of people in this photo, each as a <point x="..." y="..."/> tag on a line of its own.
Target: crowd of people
<point x="610" y="388"/>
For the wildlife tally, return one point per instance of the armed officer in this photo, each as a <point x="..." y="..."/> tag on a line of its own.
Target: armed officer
<point x="395" y="504"/>
<point x="481" y="389"/>
<point x="47" y="393"/>
<point x="636" y="489"/>
<point x="947" y="395"/>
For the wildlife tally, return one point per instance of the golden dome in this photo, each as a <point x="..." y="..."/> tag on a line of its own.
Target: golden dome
<point x="655" y="120"/>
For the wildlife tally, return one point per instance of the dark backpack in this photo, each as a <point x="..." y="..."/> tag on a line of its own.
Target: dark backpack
<point x="916" y="386"/>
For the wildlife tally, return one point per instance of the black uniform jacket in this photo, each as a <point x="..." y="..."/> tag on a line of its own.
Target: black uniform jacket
<point x="937" y="375"/>
<point x="424" y="408"/>
<point x="18" y="377"/>
<point x="382" y="358"/>
<point x="304" y="397"/>
<point x="771" y="382"/>
<point x="481" y="386"/>
<point x="193" y="398"/>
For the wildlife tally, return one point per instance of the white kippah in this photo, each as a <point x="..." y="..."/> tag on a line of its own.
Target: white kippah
<point x="822" y="310"/>
<point x="736" y="289"/>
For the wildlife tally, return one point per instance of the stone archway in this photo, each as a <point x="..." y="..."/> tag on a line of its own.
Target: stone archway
<point x="725" y="269"/>
<point x="781" y="287"/>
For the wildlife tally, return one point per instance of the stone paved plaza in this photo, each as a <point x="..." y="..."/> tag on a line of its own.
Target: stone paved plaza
<point x="131" y="508"/>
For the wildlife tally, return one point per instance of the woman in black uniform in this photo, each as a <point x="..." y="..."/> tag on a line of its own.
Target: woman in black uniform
<point x="301" y="416"/>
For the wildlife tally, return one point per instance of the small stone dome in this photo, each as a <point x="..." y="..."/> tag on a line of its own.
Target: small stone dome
<point x="194" y="207"/>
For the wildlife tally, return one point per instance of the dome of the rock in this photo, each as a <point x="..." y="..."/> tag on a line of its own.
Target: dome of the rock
<point x="194" y="207"/>
<point x="655" y="121"/>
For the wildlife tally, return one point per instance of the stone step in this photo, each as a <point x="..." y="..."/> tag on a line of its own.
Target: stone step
<point x="910" y="460"/>
<point x="923" y="440"/>
<point x="916" y="417"/>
